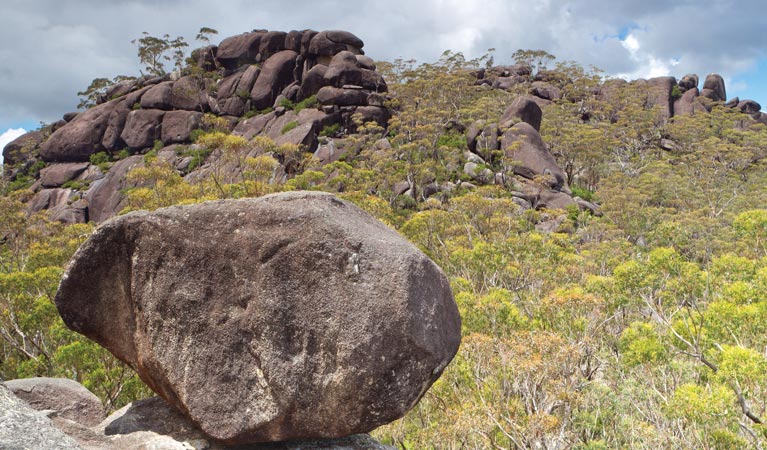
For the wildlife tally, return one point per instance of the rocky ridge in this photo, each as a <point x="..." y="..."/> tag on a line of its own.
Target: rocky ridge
<point x="285" y="86"/>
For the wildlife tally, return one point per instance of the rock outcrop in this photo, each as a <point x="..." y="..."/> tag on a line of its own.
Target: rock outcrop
<point x="294" y="315"/>
<point x="67" y="397"/>
<point x="262" y="76"/>
<point x="145" y="424"/>
<point x="22" y="427"/>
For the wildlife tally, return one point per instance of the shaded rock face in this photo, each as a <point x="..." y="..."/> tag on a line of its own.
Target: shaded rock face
<point x="713" y="88"/>
<point x="81" y="137"/>
<point x="298" y="309"/>
<point x="524" y="109"/>
<point x="67" y="397"/>
<point x="105" y="196"/>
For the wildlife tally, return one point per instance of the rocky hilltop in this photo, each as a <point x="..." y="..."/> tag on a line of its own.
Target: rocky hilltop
<point x="252" y="82"/>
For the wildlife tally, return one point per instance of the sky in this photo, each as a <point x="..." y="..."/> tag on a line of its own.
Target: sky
<point x="51" y="49"/>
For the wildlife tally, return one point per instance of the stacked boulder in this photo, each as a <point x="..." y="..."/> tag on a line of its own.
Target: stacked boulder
<point x="290" y="316"/>
<point x="261" y="75"/>
<point x="516" y="139"/>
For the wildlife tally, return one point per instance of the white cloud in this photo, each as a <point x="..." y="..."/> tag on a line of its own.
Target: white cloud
<point x="59" y="48"/>
<point x="8" y="136"/>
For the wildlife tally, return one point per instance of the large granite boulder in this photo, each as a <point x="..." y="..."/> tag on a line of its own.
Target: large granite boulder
<point x="81" y="137"/>
<point x="713" y="88"/>
<point x="523" y="145"/>
<point x="237" y="50"/>
<point x="523" y="109"/>
<point x="57" y="174"/>
<point x="291" y="316"/>
<point x="142" y="128"/>
<point x="67" y="397"/>
<point x="275" y="76"/>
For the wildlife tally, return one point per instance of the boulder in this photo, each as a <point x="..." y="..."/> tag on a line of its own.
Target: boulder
<point x="523" y="109"/>
<point x="271" y="42"/>
<point x="142" y="128"/>
<point x="158" y="96"/>
<point x="554" y="200"/>
<point x="344" y="70"/>
<point x="545" y="91"/>
<point x="21" y="427"/>
<point x="329" y="95"/>
<point x="276" y="75"/>
<point x="328" y="43"/>
<point x="689" y="81"/>
<point x="713" y="88"/>
<point x="119" y="89"/>
<point x="659" y="94"/>
<point x="77" y="212"/>
<point x="178" y="125"/>
<point x="205" y="57"/>
<point x="81" y="137"/>
<point x="67" y="397"/>
<point x="749" y="107"/>
<point x="373" y="114"/>
<point x="313" y="80"/>
<point x="57" y="174"/>
<point x="22" y="148"/>
<point x="112" y="141"/>
<point x="105" y="196"/>
<point x="689" y="103"/>
<point x="49" y="199"/>
<point x="237" y="50"/>
<point x="294" y="315"/>
<point x="732" y="103"/>
<point x="524" y="145"/>
<point x="188" y="93"/>
<point x="250" y="128"/>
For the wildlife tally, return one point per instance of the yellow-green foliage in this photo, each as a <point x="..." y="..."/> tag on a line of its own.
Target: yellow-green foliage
<point x="643" y="328"/>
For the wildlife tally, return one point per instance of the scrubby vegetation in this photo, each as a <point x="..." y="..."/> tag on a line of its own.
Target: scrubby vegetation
<point x="643" y="328"/>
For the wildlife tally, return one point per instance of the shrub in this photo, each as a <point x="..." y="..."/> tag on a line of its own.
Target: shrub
<point x="310" y="102"/>
<point x="287" y="104"/>
<point x="330" y="130"/>
<point x="289" y="126"/>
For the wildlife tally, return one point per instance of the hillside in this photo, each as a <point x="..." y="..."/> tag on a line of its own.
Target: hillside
<point x="605" y="240"/>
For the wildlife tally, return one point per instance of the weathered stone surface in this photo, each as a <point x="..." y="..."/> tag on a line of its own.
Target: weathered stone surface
<point x="689" y="103"/>
<point x="22" y="148"/>
<point x="81" y="137"/>
<point x="545" y="91"/>
<point x="120" y="89"/>
<point x="313" y="80"/>
<point x="67" y="397"/>
<point x="57" y="174"/>
<point x="659" y="94"/>
<point x="713" y="88"/>
<point x="524" y="109"/>
<point x="158" y="96"/>
<point x="142" y="128"/>
<point x="328" y="43"/>
<point x="297" y="308"/>
<point x="374" y="114"/>
<point x="689" y="81"/>
<point x="554" y="200"/>
<point x="523" y="144"/>
<point x="77" y="212"/>
<point x="329" y="95"/>
<point x="749" y="106"/>
<point x="105" y="197"/>
<point x="177" y="126"/>
<point x="49" y="199"/>
<point x="21" y="427"/>
<point x="344" y="70"/>
<point x="271" y="42"/>
<point x="250" y="128"/>
<point x="115" y="124"/>
<point x="237" y="50"/>
<point x="277" y="73"/>
<point x="188" y="93"/>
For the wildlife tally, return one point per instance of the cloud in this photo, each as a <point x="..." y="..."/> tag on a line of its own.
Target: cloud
<point x="55" y="49"/>
<point x="8" y="136"/>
